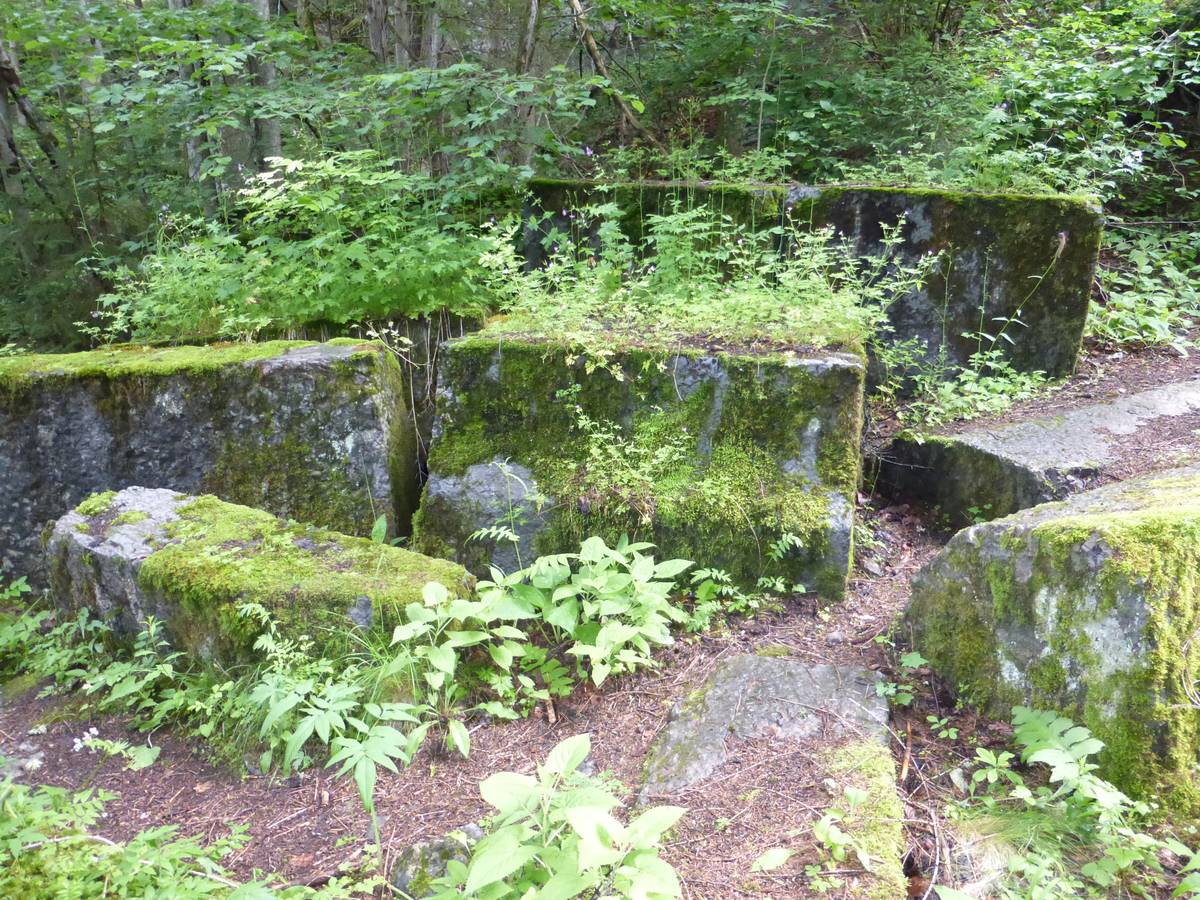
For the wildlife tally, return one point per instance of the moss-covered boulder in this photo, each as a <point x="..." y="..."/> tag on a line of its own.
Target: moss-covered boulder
<point x="316" y="432"/>
<point x="190" y="561"/>
<point x="1004" y="255"/>
<point x="1089" y="607"/>
<point x="747" y="462"/>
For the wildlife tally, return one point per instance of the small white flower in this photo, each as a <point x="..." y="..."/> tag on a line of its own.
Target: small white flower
<point x="31" y="765"/>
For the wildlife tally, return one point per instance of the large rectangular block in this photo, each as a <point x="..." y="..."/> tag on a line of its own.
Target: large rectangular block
<point x="1004" y="255"/>
<point x="1090" y="607"/>
<point x="717" y="457"/>
<point x="191" y="561"/>
<point x="315" y="432"/>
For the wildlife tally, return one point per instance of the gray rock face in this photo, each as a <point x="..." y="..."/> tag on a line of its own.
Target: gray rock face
<point x="318" y="432"/>
<point x="983" y="473"/>
<point x="712" y="457"/>
<point x="1089" y="607"/>
<point x="756" y="696"/>
<point x="417" y="866"/>
<point x="1004" y="253"/>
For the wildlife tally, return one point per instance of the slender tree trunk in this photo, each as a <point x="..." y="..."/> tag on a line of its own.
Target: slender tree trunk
<point x="593" y="51"/>
<point x="376" y="23"/>
<point x="10" y="176"/>
<point x="268" y="139"/>
<point x="401" y="23"/>
<point x="528" y="38"/>
<point x="433" y="36"/>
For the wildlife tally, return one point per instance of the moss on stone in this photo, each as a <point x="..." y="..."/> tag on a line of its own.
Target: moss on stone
<point x="703" y="454"/>
<point x="96" y="504"/>
<point x="219" y="555"/>
<point x="133" y="361"/>
<point x="1089" y="613"/>
<point x="876" y="824"/>
<point x="130" y="517"/>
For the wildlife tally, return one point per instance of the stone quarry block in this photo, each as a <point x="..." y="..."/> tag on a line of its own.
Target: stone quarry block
<point x="1003" y="253"/>
<point x="189" y="561"/>
<point x="834" y="709"/>
<point x="317" y="432"/>
<point x="1088" y="607"/>
<point x="987" y="471"/>
<point x="752" y="696"/>
<point x="714" y="457"/>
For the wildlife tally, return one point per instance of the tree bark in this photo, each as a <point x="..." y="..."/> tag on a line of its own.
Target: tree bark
<point x="529" y="38"/>
<point x="268" y="139"/>
<point x="376" y="21"/>
<point x="10" y="176"/>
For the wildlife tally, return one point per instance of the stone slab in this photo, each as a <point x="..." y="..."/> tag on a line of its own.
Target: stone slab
<point x="991" y="471"/>
<point x="755" y="696"/>
<point x="1004" y="253"/>
<point x="1087" y="606"/>
<point x="318" y="432"/>
<point x="190" y="561"/>
<point x="711" y="456"/>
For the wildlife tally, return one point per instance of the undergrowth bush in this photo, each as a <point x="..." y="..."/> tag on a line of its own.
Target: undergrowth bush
<point x="1067" y="831"/>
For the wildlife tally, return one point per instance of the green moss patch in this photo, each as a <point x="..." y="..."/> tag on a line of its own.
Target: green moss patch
<point x="132" y="361"/>
<point x="713" y="457"/>
<point x="217" y="555"/>
<point x="1087" y="607"/>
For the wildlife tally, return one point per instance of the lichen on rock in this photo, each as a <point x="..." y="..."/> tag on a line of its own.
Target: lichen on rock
<point x="713" y="456"/>
<point x="191" y="561"/>
<point x="316" y="432"/>
<point x="1088" y="607"/>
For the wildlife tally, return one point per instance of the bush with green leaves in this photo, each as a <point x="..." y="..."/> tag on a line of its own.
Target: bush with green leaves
<point x="554" y="834"/>
<point x="1075" y="834"/>
<point x="49" y="847"/>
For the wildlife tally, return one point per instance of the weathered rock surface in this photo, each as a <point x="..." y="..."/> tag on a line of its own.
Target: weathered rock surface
<point x="1089" y="607"/>
<point x="834" y="710"/>
<point x="755" y="696"/>
<point x="317" y="432"/>
<point x="986" y="472"/>
<point x="416" y="867"/>
<point x="713" y="457"/>
<point x="1004" y="253"/>
<point x="190" y="561"/>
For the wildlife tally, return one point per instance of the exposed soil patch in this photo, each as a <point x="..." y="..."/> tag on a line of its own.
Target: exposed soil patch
<point x="296" y="825"/>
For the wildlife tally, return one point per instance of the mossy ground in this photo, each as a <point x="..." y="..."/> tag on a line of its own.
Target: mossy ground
<point x="1091" y="614"/>
<point x="877" y="823"/>
<point x="218" y="555"/>
<point x="689" y="450"/>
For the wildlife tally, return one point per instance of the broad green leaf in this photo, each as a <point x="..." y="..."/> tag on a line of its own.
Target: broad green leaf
<point x="567" y="755"/>
<point x="772" y="859"/>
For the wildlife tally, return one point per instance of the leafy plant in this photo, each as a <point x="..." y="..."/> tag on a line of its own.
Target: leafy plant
<point x="555" y="834"/>
<point x="1076" y="834"/>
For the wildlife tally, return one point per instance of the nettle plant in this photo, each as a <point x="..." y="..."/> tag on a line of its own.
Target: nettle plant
<point x="554" y="834"/>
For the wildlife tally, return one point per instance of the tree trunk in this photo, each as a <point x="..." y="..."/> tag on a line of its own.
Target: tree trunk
<point x="268" y="140"/>
<point x="376" y="22"/>
<point x="593" y="51"/>
<point x="401" y="22"/>
<point x="528" y="39"/>
<point x="10" y="177"/>
<point x="433" y="36"/>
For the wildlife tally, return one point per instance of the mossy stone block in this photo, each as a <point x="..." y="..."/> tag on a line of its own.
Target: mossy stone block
<point x="1089" y="607"/>
<point x="1004" y="256"/>
<point x="712" y="456"/>
<point x="317" y="432"/>
<point x="191" y="561"/>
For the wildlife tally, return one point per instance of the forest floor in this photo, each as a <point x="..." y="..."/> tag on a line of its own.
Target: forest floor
<point x="304" y="827"/>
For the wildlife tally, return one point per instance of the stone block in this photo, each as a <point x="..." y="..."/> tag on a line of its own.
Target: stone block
<point x="1089" y="607"/>
<point x="1003" y="254"/>
<point x="712" y="456"/>
<point x="190" y="561"/>
<point x="986" y="471"/>
<point x="316" y="432"/>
